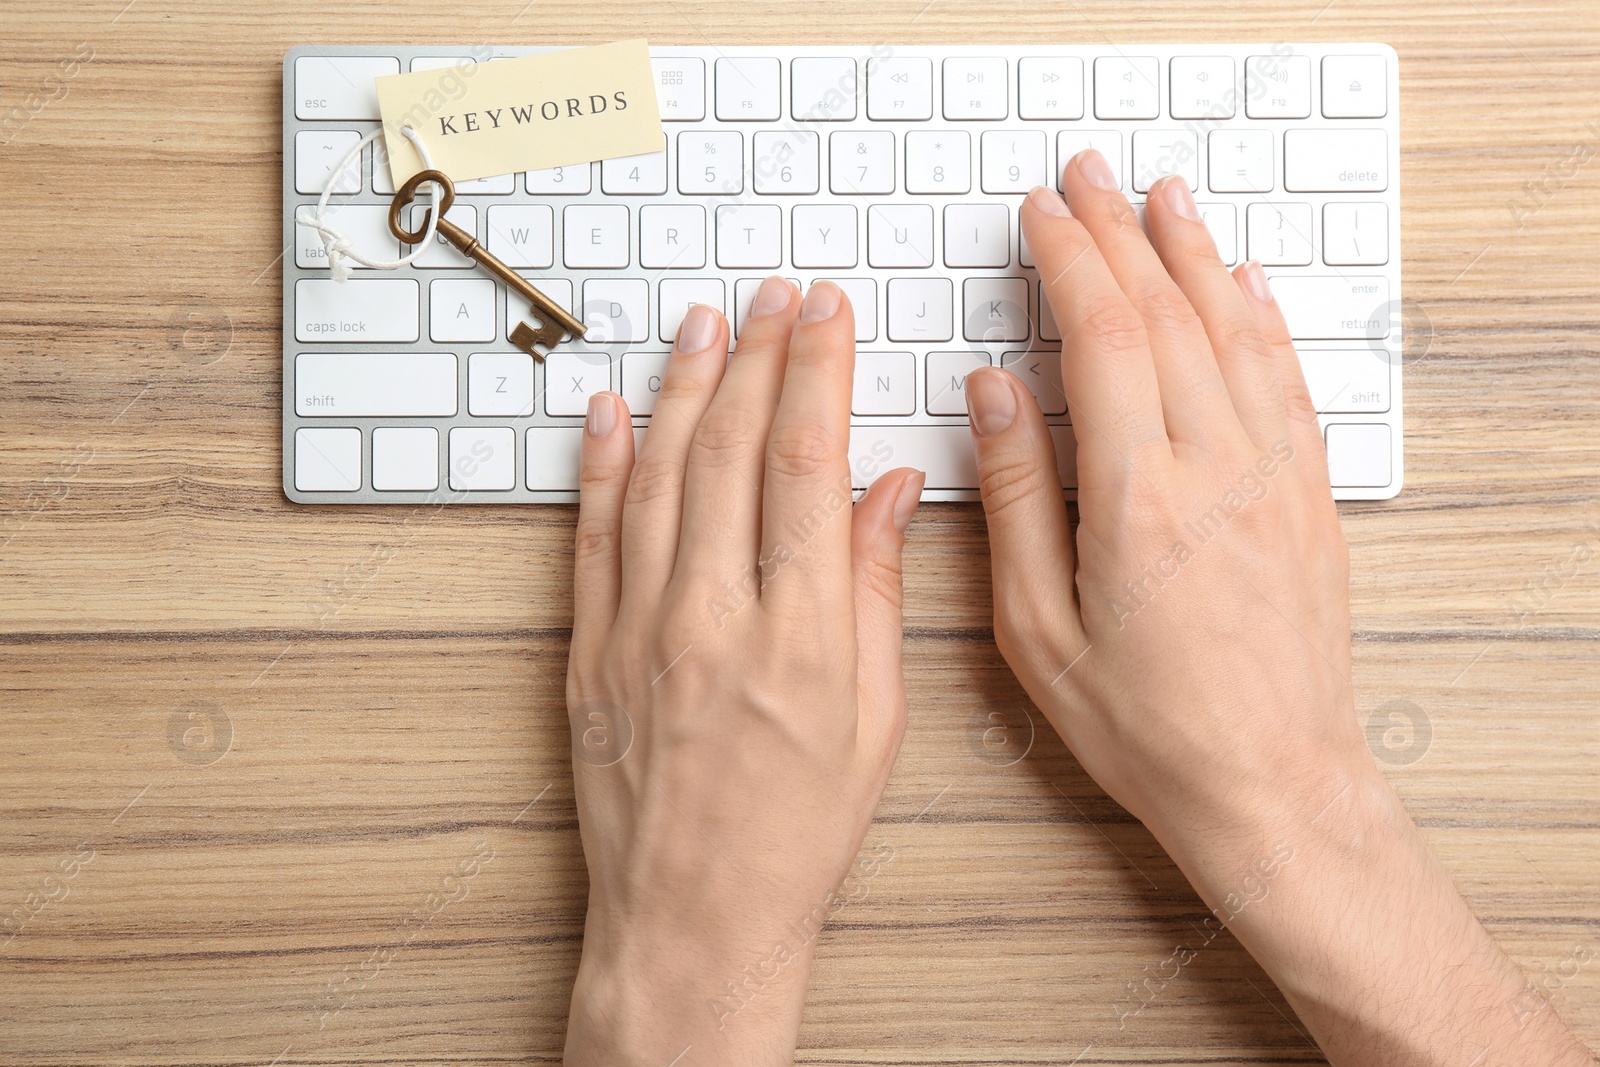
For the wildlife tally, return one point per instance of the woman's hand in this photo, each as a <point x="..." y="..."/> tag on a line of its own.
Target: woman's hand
<point x="1194" y="651"/>
<point x="735" y="684"/>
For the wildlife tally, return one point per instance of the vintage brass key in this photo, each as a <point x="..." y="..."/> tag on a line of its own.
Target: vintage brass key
<point x="555" y="322"/>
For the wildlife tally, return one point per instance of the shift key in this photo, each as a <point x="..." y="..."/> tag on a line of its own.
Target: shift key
<point x="1332" y="308"/>
<point x="358" y="311"/>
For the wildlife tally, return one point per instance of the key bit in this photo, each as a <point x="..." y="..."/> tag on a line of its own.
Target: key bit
<point x="555" y="321"/>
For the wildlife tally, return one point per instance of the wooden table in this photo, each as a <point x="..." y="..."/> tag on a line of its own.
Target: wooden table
<point x="384" y="685"/>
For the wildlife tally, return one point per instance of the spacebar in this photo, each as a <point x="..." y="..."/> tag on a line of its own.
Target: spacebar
<point x="943" y="452"/>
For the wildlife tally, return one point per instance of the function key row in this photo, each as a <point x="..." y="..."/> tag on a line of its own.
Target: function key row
<point x="906" y="88"/>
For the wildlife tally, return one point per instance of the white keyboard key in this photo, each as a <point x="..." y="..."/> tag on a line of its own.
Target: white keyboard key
<point x="1202" y="87"/>
<point x="595" y="235"/>
<point x="1127" y="87"/>
<point x="947" y="380"/>
<point x="680" y="88"/>
<point x="824" y="235"/>
<point x="1040" y="371"/>
<point x="642" y="373"/>
<point x="442" y="254"/>
<point x="500" y="383"/>
<point x="1279" y="235"/>
<point x="517" y="310"/>
<point x="498" y="185"/>
<point x="710" y="162"/>
<point x="863" y="296"/>
<point x="554" y="453"/>
<point x="360" y="311"/>
<point x="747" y="89"/>
<point x="1335" y="161"/>
<point x="785" y="162"/>
<point x="1223" y="222"/>
<point x="571" y="378"/>
<point x="1359" y="455"/>
<point x="339" y="87"/>
<point x="1277" y="87"/>
<point x="938" y="161"/>
<point x="920" y="309"/>
<point x="899" y="89"/>
<point x="575" y="179"/>
<point x="1239" y="161"/>
<point x="1332" y="308"/>
<point x="367" y="226"/>
<point x="1049" y="87"/>
<point x="977" y="235"/>
<point x="483" y="457"/>
<point x="744" y="294"/>
<point x="944" y="453"/>
<point x="1345" y="382"/>
<point x="616" y="310"/>
<point x="522" y="235"/>
<point x="462" y="64"/>
<point x="405" y="458"/>
<point x="1107" y="142"/>
<point x="461" y="310"/>
<point x="1158" y="153"/>
<point x="1354" y="87"/>
<point x="327" y="460"/>
<point x="885" y="384"/>
<point x="641" y="175"/>
<point x="976" y="87"/>
<point x="995" y="309"/>
<point x="1355" y="234"/>
<point x="1014" y="160"/>
<point x="900" y="235"/>
<point x="822" y="89"/>
<point x="374" y="385"/>
<point x="861" y="162"/>
<point x="749" y="235"/>
<point x="676" y="296"/>
<point x="317" y="152"/>
<point x="672" y="236"/>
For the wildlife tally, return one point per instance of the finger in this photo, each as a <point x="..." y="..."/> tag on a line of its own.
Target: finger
<point x="1193" y="397"/>
<point x="722" y="487"/>
<point x="805" y="516"/>
<point x="1300" y="414"/>
<point x="877" y="536"/>
<point x="1106" y="367"/>
<point x="604" y="465"/>
<point x="653" y="512"/>
<point x="1030" y="543"/>
<point x="1247" y="364"/>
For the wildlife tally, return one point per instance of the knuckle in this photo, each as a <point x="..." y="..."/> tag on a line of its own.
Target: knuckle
<point x="801" y="450"/>
<point x="1115" y="324"/>
<point x="595" y="539"/>
<point x="654" y="479"/>
<point x="1009" y="480"/>
<point x="1243" y="335"/>
<point x="726" y="434"/>
<point x="880" y="576"/>
<point x="1164" y="303"/>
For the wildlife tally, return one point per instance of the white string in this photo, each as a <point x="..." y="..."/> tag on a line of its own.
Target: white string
<point x="338" y="244"/>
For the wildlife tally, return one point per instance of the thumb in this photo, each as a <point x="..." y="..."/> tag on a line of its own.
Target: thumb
<point x="877" y="536"/>
<point x="1030" y="543"/>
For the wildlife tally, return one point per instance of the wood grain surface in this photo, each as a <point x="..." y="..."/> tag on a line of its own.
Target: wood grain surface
<point x="384" y="686"/>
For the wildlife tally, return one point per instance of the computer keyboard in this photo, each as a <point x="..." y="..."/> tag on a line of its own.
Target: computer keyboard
<point x="896" y="172"/>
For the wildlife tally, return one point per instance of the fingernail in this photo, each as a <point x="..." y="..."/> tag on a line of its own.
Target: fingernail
<point x="772" y="296"/>
<point x="698" y="329"/>
<point x="602" y="417"/>
<point x="905" y="505"/>
<point x="821" y="301"/>
<point x="990" y="401"/>
<point x="1093" y="166"/>
<point x="1048" y="201"/>
<point x="1179" y="199"/>
<point x="1255" y="280"/>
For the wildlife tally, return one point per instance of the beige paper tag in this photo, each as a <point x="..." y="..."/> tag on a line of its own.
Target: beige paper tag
<point x="575" y="105"/>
